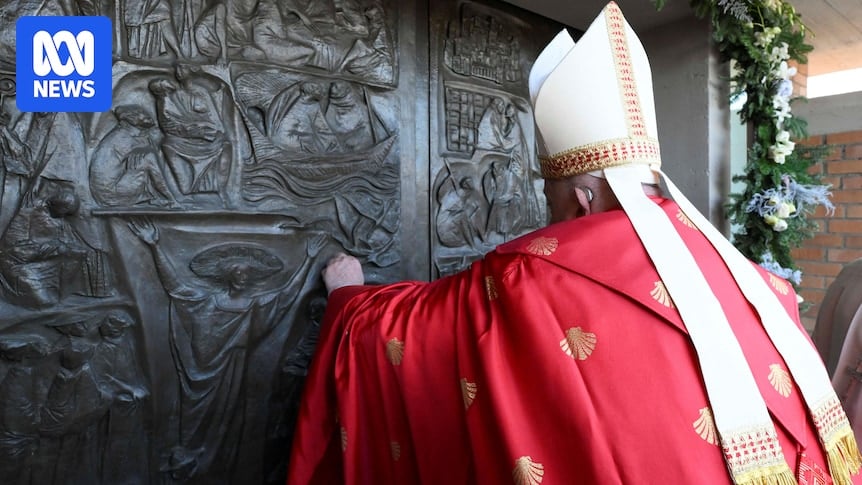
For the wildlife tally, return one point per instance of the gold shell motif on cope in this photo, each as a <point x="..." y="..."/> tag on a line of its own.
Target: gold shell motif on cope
<point x="578" y="344"/>
<point x="491" y="288"/>
<point x="680" y="215"/>
<point x="660" y="294"/>
<point x="704" y="426"/>
<point x="468" y="392"/>
<point x="543" y="246"/>
<point x="395" y="351"/>
<point x="779" y="284"/>
<point x="780" y="380"/>
<point x="395" y="448"/>
<point x="527" y="472"/>
<point x="343" y="439"/>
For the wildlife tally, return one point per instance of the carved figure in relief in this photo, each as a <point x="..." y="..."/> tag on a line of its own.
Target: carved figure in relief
<point x="334" y="36"/>
<point x="16" y="169"/>
<point x="461" y="214"/>
<point x="203" y="30"/>
<point x="150" y="30"/>
<point x="22" y="390"/>
<point x="502" y="186"/>
<point x="116" y="367"/>
<point x="348" y="116"/>
<point x="287" y="385"/>
<point x="490" y="130"/>
<point x="499" y="128"/>
<point x="370" y="56"/>
<point x="279" y="33"/>
<point x="214" y="324"/>
<point x="195" y="144"/>
<point x="296" y="121"/>
<point x="73" y="409"/>
<point x="43" y="258"/>
<point x="127" y="168"/>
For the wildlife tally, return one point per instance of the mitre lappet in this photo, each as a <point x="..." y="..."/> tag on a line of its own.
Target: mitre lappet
<point x="595" y="113"/>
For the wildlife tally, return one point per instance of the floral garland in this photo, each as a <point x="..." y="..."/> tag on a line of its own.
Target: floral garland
<point x="760" y="38"/>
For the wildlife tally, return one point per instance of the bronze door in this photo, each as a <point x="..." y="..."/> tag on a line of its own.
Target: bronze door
<point x="159" y="263"/>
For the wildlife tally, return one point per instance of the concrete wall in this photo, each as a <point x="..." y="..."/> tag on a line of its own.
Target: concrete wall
<point x="831" y="114"/>
<point x="691" y="96"/>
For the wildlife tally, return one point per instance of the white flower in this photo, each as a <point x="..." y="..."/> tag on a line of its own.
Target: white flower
<point x="785" y="209"/>
<point x="785" y="89"/>
<point x="782" y="110"/>
<point x="763" y="38"/>
<point x="785" y="71"/>
<point x="780" y="54"/>
<point x="783" y="138"/>
<point x="778" y="224"/>
<point x="783" y="147"/>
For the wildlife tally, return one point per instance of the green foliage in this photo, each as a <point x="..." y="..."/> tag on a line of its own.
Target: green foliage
<point x="758" y="37"/>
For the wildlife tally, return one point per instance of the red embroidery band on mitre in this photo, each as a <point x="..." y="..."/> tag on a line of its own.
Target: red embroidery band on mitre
<point x="596" y="156"/>
<point x="625" y="72"/>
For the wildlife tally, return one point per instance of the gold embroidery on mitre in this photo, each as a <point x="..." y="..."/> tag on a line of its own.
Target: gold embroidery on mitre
<point x="578" y="344"/>
<point x="343" y="439"/>
<point x="395" y="351"/>
<point x="491" y="288"/>
<point x="543" y="246"/>
<point x="660" y="294"/>
<point x="780" y="380"/>
<point x="680" y="215"/>
<point x="527" y="472"/>
<point x="779" y="284"/>
<point x="604" y="154"/>
<point x="626" y="81"/>
<point x="468" y="392"/>
<point x="842" y="451"/>
<point x="704" y="426"/>
<point x="395" y="449"/>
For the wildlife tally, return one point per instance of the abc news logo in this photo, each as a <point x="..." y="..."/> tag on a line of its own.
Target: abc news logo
<point x="46" y="59"/>
<point x="63" y="64"/>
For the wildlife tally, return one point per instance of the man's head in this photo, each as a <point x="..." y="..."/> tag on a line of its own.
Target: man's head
<point x="162" y="86"/>
<point x="184" y="70"/>
<point x="590" y="124"/>
<point x="311" y="90"/>
<point x="62" y="203"/>
<point x="236" y="267"/>
<point x="133" y="115"/>
<point x="238" y="276"/>
<point x="115" y="324"/>
<point x="339" y="89"/>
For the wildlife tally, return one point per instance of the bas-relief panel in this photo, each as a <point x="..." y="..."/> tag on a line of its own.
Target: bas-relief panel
<point x="159" y="297"/>
<point x="159" y="289"/>
<point x="485" y="179"/>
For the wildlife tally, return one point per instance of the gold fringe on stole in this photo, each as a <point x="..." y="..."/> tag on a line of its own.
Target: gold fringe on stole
<point x="771" y="475"/>
<point x="843" y="455"/>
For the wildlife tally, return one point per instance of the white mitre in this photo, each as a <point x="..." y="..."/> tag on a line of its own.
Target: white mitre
<point x="594" y="109"/>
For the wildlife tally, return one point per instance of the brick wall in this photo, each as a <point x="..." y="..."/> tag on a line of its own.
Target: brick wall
<point x="839" y="239"/>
